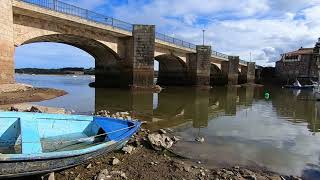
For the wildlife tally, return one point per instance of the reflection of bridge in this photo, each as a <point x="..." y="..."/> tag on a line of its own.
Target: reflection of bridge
<point x="124" y="53"/>
<point x="175" y="106"/>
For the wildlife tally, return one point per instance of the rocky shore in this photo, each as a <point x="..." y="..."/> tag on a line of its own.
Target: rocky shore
<point x="148" y="155"/>
<point x="20" y="93"/>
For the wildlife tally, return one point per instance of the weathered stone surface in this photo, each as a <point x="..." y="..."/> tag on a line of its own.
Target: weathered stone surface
<point x="199" y="66"/>
<point x="143" y="56"/>
<point x="6" y="43"/>
<point x="160" y="141"/>
<point x="233" y="70"/>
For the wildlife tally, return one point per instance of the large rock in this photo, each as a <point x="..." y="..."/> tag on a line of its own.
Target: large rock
<point x="160" y="141"/>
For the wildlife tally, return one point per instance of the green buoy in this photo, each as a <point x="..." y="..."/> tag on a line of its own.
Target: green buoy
<point x="266" y="95"/>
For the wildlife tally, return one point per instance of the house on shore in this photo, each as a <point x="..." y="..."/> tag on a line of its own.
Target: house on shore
<point x="302" y="63"/>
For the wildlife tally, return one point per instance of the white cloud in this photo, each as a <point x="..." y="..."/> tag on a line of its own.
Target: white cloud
<point x="266" y="28"/>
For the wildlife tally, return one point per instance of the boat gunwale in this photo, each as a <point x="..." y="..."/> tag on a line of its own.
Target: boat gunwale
<point x="62" y="154"/>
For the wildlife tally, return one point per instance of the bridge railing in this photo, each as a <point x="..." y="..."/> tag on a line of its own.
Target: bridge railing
<point x="243" y="61"/>
<point x="215" y="53"/>
<point x="80" y="12"/>
<point x="175" y="41"/>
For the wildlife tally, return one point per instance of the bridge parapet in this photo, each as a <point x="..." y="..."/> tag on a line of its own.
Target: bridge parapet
<point x="69" y="9"/>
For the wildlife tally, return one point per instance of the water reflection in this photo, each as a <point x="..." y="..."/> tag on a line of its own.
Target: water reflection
<point x="238" y="124"/>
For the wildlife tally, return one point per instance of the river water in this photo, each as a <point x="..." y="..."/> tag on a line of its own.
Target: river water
<point x="239" y="125"/>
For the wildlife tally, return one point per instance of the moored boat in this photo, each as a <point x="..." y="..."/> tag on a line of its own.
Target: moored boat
<point x="35" y="143"/>
<point x="299" y="87"/>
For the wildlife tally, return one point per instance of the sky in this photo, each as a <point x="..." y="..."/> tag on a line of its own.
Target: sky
<point x="263" y="28"/>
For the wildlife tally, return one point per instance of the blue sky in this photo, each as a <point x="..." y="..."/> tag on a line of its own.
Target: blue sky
<point x="266" y="28"/>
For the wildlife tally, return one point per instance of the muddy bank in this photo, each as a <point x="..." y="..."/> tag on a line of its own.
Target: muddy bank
<point x="144" y="162"/>
<point x="20" y="93"/>
<point x="148" y="156"/>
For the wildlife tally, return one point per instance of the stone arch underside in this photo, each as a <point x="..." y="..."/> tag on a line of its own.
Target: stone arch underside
<point x="108" y="64"/>
<point x="216" y="75"/>
<point x="172" y="70"/>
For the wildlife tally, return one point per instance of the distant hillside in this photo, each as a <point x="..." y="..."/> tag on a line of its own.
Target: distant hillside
<point x="67" y="70"/>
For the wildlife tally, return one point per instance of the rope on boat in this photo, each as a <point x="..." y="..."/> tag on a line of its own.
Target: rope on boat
<point x="98" y="135"/>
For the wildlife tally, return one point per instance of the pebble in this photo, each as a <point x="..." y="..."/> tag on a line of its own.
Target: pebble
<point x="115" y="161"/>
<point x="103" y="175"/>
<point x="175" y="138"/>
<point x="119" y="173"/>
<point x="162" y="131"/>
<point x="187" y="168"/>
<point x="200" y="139"/>
<point x="51" y="176"/>
<point x="128" y="149"/>
<point x="89" y="166"/>
<point x="78" y="177"/>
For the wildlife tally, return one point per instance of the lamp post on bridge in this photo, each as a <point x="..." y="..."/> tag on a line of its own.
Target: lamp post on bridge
<point x="203" y="36"/>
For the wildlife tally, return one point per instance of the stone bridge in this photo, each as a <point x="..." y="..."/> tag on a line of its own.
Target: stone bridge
<point x="124" y="53"/>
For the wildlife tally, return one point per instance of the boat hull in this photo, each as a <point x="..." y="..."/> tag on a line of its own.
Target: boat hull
<point x="42" y="166"/>
<point x="36" y="143"/>
<point x="299" y="87"/>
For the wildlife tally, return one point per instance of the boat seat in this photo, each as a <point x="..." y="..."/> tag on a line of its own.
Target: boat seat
<point x="30" y="137"/>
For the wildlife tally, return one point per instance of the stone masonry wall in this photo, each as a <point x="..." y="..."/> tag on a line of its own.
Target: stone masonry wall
<point x="291" y="70"/>
<point x="6" y="43"/>
<point x="199" y="66"/>
<point x="233" y="70"/>
<point x="251" y="72"/>
<point x="143" y="56"/>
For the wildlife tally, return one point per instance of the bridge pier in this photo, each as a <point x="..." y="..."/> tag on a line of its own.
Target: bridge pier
<point x="230" y="69"/>
<point x="135" y="67"/>
<point x="251" y="72"/>
<point x="247" y="74"/>
<point x="6" y="43"/>
<point x="142" y="56"/>
<point x="199" y="66"/>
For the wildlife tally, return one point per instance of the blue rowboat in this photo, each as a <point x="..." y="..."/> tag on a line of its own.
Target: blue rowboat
<point x="36" y="143"/>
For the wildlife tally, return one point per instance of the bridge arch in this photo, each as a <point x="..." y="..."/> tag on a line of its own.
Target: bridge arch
<point x="108" y="64"/>
<point x="216" y="75"/>
<point x="172" y="70"/>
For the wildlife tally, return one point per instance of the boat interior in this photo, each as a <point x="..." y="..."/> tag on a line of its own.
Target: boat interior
<point x="30" y="134"/>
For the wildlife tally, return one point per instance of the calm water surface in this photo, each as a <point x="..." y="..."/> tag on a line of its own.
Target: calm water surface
<point x="240" y="127"/>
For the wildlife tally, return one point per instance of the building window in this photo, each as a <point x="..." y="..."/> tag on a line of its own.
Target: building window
<point x="291" y="58"/>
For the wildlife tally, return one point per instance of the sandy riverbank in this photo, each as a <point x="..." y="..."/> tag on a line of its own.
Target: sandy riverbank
<point x="20" y="93"/>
